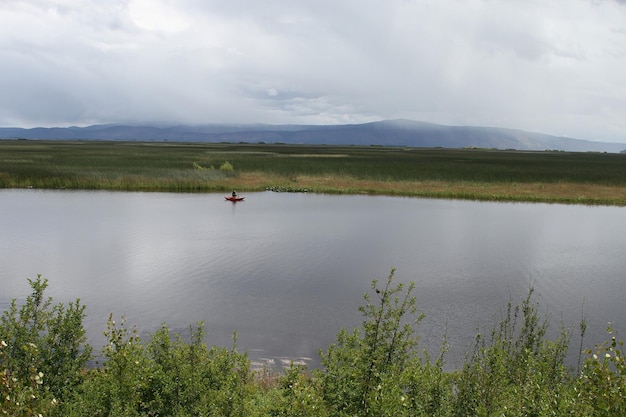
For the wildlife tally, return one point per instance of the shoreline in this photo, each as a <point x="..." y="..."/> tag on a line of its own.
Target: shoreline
<point x="519" y="193"/>
<point x="441" y="173"/>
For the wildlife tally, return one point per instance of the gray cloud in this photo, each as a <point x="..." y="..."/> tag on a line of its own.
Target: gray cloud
<point x="533" y="65"/>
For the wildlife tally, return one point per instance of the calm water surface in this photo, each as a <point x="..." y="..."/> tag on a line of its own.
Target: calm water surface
<point x="287" y="271"/>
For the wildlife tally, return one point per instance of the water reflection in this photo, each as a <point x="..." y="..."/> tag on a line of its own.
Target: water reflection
<point x="287" y="271"/>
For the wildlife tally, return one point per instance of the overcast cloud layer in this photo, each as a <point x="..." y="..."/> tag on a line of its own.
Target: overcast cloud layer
<point x="551" y="66"/>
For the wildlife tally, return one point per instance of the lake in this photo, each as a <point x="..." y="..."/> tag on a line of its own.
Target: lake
<point x="287" y="271"/>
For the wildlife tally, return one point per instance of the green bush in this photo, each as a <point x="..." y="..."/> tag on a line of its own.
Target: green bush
<point x="602" y="383"/>
<point x="117" y="388"/>
<point x="43" y="349"/>
<point x="22" y="396"/>
<point x="374" y="370"/>
<point x="227" y="167"/>
<point x="518" y="372"/>
<point x="165" y="376"/>
<point x="294" y="394"/>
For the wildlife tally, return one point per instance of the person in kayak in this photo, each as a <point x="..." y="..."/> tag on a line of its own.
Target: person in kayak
<point x="234" y="194"/>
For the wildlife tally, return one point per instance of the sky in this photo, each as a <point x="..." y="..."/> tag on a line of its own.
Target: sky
<point x="549" y="66"/>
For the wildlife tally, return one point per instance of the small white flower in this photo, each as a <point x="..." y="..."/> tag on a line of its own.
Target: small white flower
<point x="608" y="355"/>
<point x="39" y="378"/>
<point x="3" y="343"/>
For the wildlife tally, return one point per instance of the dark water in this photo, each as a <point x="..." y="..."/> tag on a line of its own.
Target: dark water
<point x="287" y="271"/>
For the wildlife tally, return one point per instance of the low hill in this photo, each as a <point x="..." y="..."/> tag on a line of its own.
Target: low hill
<point x="383" y="133"/>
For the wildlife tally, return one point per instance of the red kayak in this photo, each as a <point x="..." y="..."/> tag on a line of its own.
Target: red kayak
<point x="234" y="199"/>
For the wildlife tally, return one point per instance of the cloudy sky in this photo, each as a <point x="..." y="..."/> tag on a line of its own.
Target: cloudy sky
<point x="551" y="66"/>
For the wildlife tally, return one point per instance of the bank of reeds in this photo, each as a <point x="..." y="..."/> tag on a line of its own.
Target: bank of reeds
<point x="579" y="178"/>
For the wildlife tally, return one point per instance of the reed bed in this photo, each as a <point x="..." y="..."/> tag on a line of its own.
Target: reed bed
<point x="478" y="174"/>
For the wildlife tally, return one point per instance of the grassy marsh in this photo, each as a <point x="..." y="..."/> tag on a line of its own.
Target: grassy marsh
<point x="477" y="174"/>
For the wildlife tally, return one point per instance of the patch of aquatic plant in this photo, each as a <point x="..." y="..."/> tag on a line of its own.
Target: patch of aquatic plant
<point x="278" y="189"/>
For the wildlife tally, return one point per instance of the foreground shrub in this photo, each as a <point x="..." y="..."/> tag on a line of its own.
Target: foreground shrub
<point x="43" y="350"/>
<point x="117" y="387"/>
<point x="518" y="372"/>
<point x="294" y="394"/>
<point x="601" y="387"/>
<point x="21" y="396"/>
<point x="375" y="370"/>
<point x="164" y="376"/>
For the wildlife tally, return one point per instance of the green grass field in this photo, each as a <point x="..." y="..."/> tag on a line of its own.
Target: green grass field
<point x="583" y="178"/>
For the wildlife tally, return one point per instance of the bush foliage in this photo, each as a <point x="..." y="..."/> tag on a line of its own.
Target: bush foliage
<point x="374" y="370"/>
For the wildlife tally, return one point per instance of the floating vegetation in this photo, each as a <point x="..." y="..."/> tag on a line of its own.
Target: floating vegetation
<point x="287" y="189"/>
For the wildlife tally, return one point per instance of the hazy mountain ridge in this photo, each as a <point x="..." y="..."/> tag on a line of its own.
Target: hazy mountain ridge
<point x="383" y="133"/>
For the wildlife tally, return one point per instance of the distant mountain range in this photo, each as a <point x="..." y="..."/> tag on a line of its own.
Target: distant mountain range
<point x="384" y="133"/>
